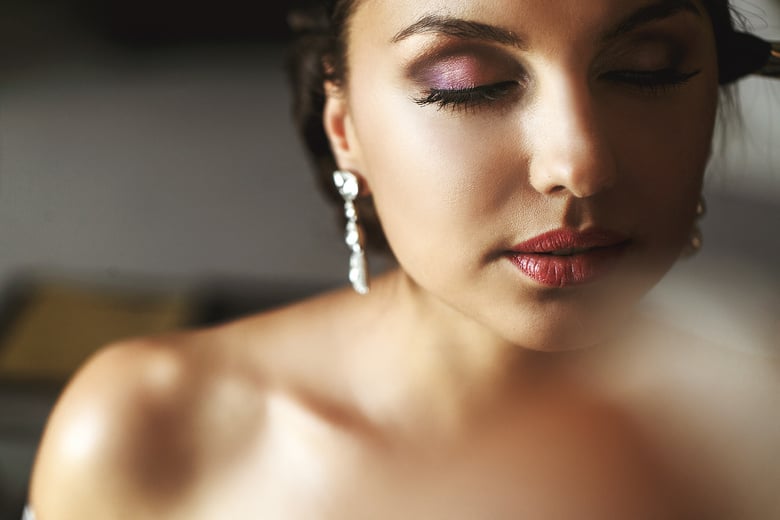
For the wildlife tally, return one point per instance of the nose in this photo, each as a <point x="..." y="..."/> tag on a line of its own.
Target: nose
<point x="570" y="150"/>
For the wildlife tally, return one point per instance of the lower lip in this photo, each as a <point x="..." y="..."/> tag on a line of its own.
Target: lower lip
<point x="567" y="271"/>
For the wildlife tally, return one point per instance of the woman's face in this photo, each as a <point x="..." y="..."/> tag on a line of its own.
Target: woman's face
<point x="536" y="164"/>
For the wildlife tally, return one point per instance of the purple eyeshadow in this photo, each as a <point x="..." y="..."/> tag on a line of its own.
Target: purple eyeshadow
<point x="459" y="72"/>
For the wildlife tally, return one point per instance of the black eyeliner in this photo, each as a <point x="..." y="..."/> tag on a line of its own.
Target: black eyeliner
<point x="466" y="97"/>
<point x="654" y="81"/>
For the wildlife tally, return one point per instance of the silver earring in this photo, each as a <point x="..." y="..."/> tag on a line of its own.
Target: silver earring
<point x="696" y="239"/>
<point x="349" y="188"/>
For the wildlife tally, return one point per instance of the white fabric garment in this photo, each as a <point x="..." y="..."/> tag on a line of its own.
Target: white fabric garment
<point x="28" y="514"/>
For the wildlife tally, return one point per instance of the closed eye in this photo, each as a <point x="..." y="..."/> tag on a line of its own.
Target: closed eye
<point x="466" y="98"/>
<point x="653" y="81"/>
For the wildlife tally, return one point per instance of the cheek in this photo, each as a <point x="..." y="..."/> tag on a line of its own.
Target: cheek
<point x="669" y="146"/>
<point x="663" y="153"/>
<point x="436" y="177"/>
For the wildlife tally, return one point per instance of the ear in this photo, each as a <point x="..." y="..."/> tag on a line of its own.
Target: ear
<point x="340" y="130"/>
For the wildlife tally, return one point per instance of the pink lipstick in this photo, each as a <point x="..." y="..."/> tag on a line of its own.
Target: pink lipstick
<point x="566" y="257"/>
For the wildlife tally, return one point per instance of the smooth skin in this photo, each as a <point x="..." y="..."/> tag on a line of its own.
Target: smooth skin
<point x="459" y="388"/>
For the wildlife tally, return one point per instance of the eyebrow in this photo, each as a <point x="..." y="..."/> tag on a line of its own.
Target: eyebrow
<point x="651" y="13"/>
<point x="469" y="30"/>
<point x="461" y="29"/>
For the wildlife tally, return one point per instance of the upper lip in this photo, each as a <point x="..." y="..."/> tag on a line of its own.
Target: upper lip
<point x="570" y="241"/>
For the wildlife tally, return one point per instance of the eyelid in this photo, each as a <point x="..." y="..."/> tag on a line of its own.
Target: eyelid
<point x="646" y="49"/>
<point x="488" y="61"/>
<point x="668" y="75"/>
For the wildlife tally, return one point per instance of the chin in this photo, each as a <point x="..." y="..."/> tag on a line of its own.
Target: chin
<point x="575" y="324"/>
<point x="561" y="339"/>
<point x="563" y="342"/>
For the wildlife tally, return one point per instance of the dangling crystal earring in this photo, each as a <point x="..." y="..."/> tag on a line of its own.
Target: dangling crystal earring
<point x="349" y="188"/>
<point x="696" y="239"/>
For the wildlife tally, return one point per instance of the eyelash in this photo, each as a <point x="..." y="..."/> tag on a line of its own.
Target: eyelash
<point x="467" y="98"/>
<point x="651" y="82"/>
<point x="655" y="82"/>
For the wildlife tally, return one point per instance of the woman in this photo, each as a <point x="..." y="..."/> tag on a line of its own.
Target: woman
<point x="536" y="167"/>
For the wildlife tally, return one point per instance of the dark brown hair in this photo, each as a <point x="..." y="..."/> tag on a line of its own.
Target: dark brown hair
<point x="319" y="54"/>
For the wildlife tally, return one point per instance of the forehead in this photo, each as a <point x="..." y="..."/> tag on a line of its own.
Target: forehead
<point x="567" y="20"/>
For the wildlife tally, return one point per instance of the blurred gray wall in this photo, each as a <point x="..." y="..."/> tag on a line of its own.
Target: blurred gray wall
<point x="177" y="164"/>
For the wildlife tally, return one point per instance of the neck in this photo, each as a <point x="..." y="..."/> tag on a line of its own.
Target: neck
<point x="440" y="368"/>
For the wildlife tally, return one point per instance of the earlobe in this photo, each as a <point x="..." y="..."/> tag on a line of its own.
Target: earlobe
<point x="338" y="127"/>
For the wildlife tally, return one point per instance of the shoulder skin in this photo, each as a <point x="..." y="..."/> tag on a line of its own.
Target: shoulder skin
<point x="127" y="437"/>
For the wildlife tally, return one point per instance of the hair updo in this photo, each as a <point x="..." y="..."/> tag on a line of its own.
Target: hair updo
<point x="319" y="54"/>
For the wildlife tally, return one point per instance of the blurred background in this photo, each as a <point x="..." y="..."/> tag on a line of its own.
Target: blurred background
<point x="150" y="178"/>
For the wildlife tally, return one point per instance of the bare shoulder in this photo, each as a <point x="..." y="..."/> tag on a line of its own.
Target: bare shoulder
<point x="734" y="400"/>
<point x="712" y="406"/>
<point x="147" y="424"/>
<point x="127" y="433"/>
<point x="733" y="382"/>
